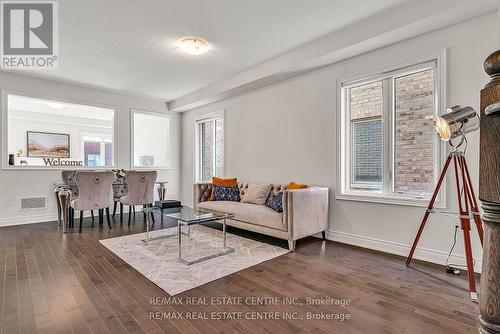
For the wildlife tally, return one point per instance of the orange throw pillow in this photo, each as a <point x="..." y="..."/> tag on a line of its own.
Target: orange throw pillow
<point x="294" y="185"/>
<point x="225" y="182"/>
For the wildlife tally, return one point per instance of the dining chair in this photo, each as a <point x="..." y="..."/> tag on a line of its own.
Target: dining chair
<point x="140" y="190"/>
<point x="68" y="177"/>
<point x="120" y="189"/>
<point x="95" y="193"/>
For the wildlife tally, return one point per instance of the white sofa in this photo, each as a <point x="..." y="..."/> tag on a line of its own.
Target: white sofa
<point x="305" y="211"/>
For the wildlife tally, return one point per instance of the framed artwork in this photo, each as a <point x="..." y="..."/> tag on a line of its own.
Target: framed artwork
<point x="47" y="145"/>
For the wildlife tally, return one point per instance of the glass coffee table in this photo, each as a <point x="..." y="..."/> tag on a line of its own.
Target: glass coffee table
<point x="187" y="217"/>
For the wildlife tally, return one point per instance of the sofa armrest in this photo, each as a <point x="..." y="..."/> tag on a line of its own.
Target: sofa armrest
<point x="306" y="211"/>
<point x="202" y="192"/>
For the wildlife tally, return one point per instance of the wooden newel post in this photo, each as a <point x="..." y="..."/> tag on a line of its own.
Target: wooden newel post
<point x="489" y="194"/>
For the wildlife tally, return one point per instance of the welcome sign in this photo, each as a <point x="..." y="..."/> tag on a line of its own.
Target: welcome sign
<point x="51" y="162"/>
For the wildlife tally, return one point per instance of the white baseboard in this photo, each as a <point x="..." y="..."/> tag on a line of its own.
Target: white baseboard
<point x="424" y="254"/>
<point x="48" y="217"/>
<point x="21" y="220"/>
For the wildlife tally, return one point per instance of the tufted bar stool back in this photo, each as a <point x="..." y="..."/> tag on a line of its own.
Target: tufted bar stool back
<point x="140" y="190"/>
<point x="95" y="192"/>
<point x="120" y="189"/>
<point x="68" y="177"/>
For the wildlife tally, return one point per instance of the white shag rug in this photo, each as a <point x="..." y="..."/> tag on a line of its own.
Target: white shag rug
<point x="158" y="260"/>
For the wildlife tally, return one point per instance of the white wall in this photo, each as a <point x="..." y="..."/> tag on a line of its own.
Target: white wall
<point x="17" y="184"/>
<point x="287" y="131"/>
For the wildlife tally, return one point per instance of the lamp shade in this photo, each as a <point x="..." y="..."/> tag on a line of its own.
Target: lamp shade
<point x="146" y="160"/>
<point x="456" y="122"/>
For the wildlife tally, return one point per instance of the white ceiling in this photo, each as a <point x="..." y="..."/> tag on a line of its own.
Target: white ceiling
<point x="18" y="103"/>
<point x="130" y="45"/>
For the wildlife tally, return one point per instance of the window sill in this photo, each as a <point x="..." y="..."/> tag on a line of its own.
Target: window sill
<point x="387" y="199"/>
<point x="152" y="168"/>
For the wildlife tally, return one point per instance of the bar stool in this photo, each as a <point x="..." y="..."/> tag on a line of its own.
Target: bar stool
<point x="120" y="189"/>
<point x="68" y="177"/>
<point x="140" y="190"/>
<point x="95" y="193"/>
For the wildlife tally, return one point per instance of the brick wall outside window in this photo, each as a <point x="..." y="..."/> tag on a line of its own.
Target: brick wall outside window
<point x="366" y="126"/>
<point x="414" y="137"/>
<point x="207" y="153"/>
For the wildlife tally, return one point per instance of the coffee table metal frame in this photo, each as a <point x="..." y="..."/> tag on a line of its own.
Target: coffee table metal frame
<point x="180" y="223"/>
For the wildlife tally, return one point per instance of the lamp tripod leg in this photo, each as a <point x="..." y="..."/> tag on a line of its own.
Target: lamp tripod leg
<point x="468" y="258"/>
<point x="429" y="209"/>
<point x="472" y="201"/>
<point x="465" y="221"/>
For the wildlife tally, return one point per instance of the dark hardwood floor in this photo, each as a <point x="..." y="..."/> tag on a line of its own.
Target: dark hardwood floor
<point x="55" y="283"/>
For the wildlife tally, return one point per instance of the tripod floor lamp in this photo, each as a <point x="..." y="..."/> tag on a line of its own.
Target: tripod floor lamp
<point x="454" y="125"/>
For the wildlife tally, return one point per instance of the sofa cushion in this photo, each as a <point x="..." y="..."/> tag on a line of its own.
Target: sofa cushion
<point x="276" y="188"/>
<point x="276" y="203"/>
<point x="256" y="193"/>
<point x="294" y="185"/>
<point x="226" y="194"/>
<point x="217" y="181"/>
<point x="250" y="213"/>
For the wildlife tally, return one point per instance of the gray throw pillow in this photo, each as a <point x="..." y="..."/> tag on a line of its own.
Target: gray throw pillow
<point x="256" y="193"/>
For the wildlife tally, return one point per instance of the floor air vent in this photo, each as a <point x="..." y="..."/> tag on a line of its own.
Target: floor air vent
<point x="33" y="203"/>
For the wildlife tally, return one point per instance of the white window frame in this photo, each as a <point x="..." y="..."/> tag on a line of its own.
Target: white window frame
<point x="200" y="120"/>
<point x="387" y="195"/>
<point x="5" y="127"/>
<point x="132" y="131"/>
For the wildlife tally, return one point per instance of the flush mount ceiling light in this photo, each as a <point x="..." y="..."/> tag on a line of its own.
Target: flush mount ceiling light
<point x="193" y="46"/>
<point x="54" y="105"/>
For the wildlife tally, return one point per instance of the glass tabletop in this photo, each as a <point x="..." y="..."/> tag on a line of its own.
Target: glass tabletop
<point x="189" y="215"/>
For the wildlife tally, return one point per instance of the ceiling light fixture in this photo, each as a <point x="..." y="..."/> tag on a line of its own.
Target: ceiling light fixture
<point x="193" y="46"/>
<point x="54" y="105"/>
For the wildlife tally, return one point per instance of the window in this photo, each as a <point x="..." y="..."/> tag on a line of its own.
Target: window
<point x="151" y="139"/>
<point x="366" y="127"/>
<point x="210" y="147"/>
<point x="388" y="144"/>
<point x="50" y="133"/>
<point x="97" y="150"/>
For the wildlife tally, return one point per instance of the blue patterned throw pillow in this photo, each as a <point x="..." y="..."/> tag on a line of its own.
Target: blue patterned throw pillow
<point x="226" y="194"/>
<point x="276" y="203"/>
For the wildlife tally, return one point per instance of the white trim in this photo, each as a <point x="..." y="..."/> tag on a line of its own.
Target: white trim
<point x="411" y="65"/>
<point x="4" y="136"/>
<point x="364" y="196"/>
<point x="132" y="154"/>
<point x="21" y="220"/>
<point x="424" y="254"/>
<point x="221" y="114"/>
<point x="49" y="217"/>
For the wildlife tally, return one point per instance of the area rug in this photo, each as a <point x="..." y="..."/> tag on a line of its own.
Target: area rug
<point x="158" y="260"/>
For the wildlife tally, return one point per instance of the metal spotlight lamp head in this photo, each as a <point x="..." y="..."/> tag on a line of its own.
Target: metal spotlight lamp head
<point x="456" y="122"/>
